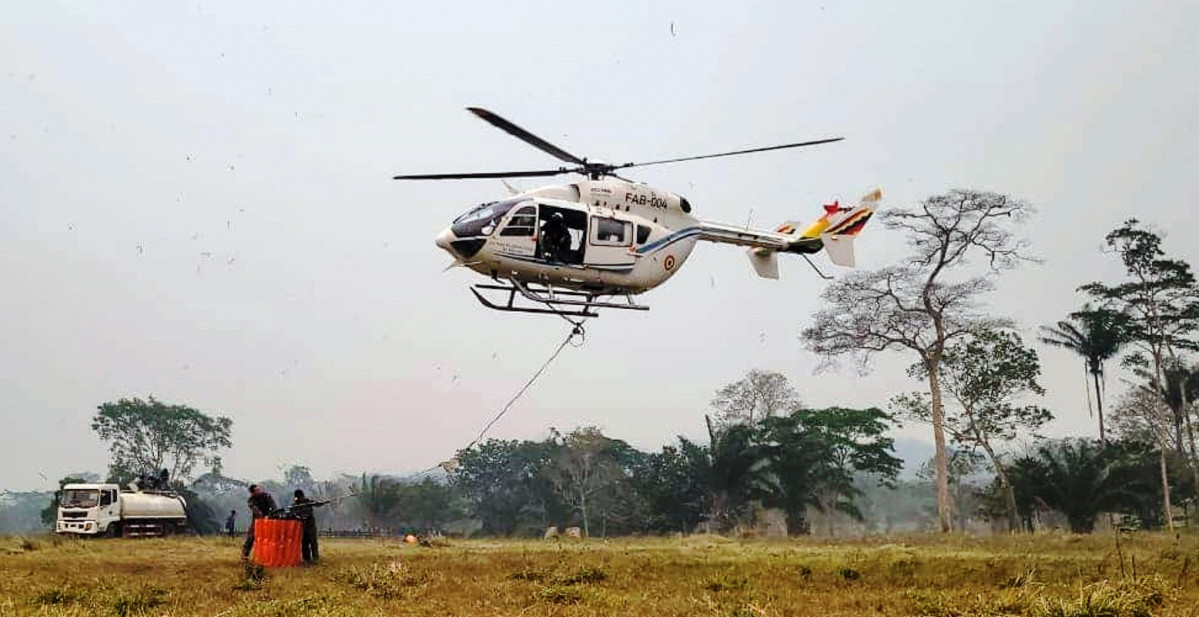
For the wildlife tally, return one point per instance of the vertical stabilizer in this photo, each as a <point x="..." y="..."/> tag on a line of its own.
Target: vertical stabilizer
<point x="839" y="248"/>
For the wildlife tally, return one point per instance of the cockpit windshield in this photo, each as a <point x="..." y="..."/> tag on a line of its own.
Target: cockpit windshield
<point x="80" y="498"/>
<point x="481" y="220"/>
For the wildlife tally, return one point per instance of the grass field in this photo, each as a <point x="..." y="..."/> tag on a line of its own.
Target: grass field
<point x="1041" y="575"/>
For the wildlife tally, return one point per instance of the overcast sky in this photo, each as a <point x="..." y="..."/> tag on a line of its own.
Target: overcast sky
<point x="195" y="201"/>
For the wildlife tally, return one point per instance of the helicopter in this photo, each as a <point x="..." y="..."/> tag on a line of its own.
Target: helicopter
<point x="572" y="249"/>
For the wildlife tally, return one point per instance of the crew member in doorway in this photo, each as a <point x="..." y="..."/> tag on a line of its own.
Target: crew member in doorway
<point x="231" y="522"/>
<point x="302" y="507"/>
<point x="262" y="505"/>
<point x="555" y="238"/>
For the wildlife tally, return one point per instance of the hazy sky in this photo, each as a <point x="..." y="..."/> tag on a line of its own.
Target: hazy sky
<point x="195" y="201"/>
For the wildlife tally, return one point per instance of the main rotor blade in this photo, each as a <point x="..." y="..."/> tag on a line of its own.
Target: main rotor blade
<point x="712" y="156"/>
<point x="487" y="174"/>
<point x="529" y="138"/>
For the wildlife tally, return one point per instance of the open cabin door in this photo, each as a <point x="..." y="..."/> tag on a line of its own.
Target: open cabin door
<point x="573" y="246"/>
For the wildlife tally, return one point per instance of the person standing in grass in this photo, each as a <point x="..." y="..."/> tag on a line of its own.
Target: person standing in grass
<point x="231" y="522"/>
<point x="302" y="508"/>
<point x="262" y="505"/>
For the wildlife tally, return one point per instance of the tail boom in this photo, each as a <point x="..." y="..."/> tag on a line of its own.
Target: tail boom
<point x="834" y="232"/>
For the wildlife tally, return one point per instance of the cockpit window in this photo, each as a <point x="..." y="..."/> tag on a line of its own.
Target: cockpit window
<point x="522" y="223"/>
<point x="481" y="220"/>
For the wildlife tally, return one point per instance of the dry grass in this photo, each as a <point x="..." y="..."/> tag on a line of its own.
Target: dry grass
<point x="1039" y="576"/>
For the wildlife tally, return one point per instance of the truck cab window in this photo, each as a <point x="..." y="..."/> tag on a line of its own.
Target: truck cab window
<point x="106" y="498"/>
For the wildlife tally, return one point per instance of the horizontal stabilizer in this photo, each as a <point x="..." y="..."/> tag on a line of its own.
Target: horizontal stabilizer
<point x="766" y="263"/>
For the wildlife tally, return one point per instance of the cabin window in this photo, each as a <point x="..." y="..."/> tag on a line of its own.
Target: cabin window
<point x="522" y="223"/>
<point x="643" y="234"/>
<point x="105" y="498"/>
<point x="611" y="232"/>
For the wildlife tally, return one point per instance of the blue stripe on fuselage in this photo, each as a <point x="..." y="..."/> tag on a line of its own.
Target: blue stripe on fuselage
<point x="670" y="239"/>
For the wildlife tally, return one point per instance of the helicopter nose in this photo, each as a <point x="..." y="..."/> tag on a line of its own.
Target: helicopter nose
<point x="444" y="239"/>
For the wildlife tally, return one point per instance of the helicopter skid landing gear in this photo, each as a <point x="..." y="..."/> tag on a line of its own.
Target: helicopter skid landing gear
<point x="557" y="302"/>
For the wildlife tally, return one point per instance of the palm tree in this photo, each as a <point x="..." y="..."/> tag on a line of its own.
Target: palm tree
<point x="1095" y="334"/>
<point x="1081" y="478"/>
<point x="739" y="473"/>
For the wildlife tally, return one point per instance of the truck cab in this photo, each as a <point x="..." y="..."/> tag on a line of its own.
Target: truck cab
<point x="89" y="509"/>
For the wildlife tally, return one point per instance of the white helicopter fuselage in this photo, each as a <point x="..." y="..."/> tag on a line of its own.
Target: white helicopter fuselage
<point x="625" y="238"/>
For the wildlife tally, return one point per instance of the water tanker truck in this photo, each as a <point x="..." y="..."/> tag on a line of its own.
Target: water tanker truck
<point x="104" y="509"/>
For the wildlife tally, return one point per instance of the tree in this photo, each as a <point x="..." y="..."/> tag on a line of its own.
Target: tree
<point x="798" y="457"/>
<point x="962" y="464"/>
<point x="853" y="443"/>
<point x="425" y="506"/>
<point x="918" y="306"/>
<point x="1097" y="336"/>
<point x="506" y="484"/>
<point x="673" y="485"/>
<point x="985" y="376"/>
<point x="1080" y="478"/>
<point x="145" y="436"/>
<point x="299" y="477"/>
<point x="379" y="497"/>
<point x="760" y="394"/>
<point x="738" y="471"/>
<point x="583" y="467"/>
<point x="1160" y="300"/>
<point x="1142" y="415"/>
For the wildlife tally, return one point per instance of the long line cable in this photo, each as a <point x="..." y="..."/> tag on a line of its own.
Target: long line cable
<point x="576" y="331"/>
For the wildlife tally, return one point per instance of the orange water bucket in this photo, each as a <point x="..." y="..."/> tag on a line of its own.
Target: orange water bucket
<point x="277" y="542"/>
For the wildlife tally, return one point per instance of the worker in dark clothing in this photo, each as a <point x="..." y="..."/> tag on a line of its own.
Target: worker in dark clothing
<point x="231" y="522"/>
<point x="262" y="505"/>
<point x="301" y="508"/>
<point x="555" y="238"/>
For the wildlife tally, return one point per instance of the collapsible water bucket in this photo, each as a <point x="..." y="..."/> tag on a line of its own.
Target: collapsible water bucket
<point x="277" y="542"/>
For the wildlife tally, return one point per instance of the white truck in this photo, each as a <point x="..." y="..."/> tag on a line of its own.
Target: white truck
<point x="104" y="509"/>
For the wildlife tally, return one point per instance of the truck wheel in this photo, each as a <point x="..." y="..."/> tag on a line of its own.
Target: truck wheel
<point x="114" y="530"/>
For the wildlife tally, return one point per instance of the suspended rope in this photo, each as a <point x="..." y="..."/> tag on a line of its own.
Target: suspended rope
<point x="576" y="331"/>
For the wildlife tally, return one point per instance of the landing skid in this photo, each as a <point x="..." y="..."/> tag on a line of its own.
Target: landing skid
<point x="567" y="303"/>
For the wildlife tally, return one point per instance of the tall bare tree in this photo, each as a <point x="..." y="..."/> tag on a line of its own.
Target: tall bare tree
<point x="760" y="394"/>
<point x="920" y="306"/>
